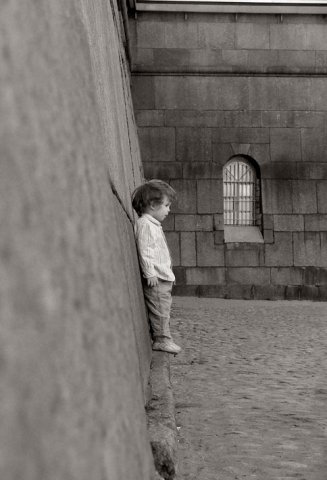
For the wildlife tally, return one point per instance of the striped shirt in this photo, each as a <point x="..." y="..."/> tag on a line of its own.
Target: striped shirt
<point x="154" y="255"/>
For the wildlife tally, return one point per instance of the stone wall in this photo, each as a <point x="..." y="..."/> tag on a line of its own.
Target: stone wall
<point x="210" y="86"/>
<point x="74" y="342"/>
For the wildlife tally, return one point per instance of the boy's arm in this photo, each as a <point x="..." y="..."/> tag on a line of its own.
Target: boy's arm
<point x="146" y="248"/>
<point x="152" y="281"/>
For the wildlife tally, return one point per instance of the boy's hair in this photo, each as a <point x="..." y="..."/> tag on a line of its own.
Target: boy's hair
<point x="151" y="193"/>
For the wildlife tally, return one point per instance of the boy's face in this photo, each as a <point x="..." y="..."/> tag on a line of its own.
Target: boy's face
<point x="160" y="212"/>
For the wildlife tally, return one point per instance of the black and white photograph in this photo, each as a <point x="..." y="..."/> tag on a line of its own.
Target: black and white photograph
<point x="163" y="248"/>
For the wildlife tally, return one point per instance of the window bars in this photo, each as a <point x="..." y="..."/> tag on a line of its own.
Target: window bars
<point x="239" y="193"/>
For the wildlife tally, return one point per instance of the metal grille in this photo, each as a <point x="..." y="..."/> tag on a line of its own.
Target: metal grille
<point x="239" y="193"/>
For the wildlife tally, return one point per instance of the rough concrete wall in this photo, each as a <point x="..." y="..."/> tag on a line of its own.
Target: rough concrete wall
<point x="209" y="86"/>
<point x="74" y="341"/>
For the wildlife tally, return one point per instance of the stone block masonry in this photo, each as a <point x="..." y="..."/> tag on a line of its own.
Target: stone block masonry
<point x="250" y="85"/>
<point x="159" y="144"/>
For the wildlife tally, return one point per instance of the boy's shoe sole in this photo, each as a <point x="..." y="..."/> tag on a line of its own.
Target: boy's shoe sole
<point x="166" y="347"/>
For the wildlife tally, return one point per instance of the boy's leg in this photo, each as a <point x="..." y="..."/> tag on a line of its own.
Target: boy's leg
<point x="158" y="301"/>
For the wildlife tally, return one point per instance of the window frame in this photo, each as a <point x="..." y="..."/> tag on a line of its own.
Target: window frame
<point x="239" y="191"/>
<point x="245" y="233"/>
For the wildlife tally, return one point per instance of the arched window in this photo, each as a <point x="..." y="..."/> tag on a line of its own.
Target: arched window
<point x="242" y="197"/>
<point x="239" y="192"/>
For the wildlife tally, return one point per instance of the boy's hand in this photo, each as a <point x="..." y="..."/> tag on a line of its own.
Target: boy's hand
<point x="152" y="281"/>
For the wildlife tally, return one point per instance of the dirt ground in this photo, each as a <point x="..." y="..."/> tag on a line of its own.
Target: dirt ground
<point x="250" y="389"/>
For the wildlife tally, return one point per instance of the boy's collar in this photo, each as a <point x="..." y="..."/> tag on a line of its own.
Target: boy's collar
<point x="151" y="218"/>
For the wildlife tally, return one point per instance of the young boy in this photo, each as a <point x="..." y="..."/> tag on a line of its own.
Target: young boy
<point x="151" y="201"/>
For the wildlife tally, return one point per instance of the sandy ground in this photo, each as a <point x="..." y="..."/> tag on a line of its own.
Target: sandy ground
<point x="250" y="389"/>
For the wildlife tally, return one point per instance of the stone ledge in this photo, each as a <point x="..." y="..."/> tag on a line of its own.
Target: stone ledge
<point x="161" y="417"/>
<point x="266" y="291"/>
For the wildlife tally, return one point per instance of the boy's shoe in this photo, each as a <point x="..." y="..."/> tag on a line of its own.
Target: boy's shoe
<point x="166" y="345"/>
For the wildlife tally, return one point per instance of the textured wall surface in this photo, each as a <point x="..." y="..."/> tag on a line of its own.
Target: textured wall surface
<point x="74" y="341"/>
<point x="210" y="86"/>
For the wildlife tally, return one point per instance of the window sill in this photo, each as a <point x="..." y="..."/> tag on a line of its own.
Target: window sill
<point x="236" y="234"/>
